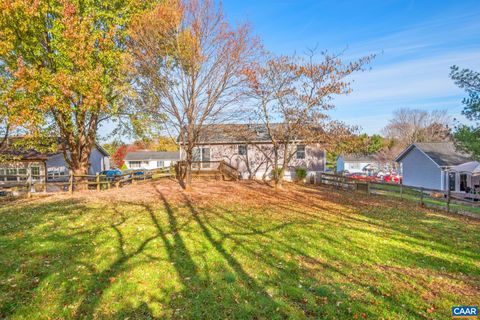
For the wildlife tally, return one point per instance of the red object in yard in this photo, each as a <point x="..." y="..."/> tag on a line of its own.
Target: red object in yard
<point x="392" y="178"/>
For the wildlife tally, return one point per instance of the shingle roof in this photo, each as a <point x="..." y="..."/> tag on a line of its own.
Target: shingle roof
<point x="18" y="152"/>
<point x="238" y="133"/>
<point x="358" y="157"/>
<point x="444" y="154"/>
<point x="232" y="133"/>
<point x="152" y="155"/>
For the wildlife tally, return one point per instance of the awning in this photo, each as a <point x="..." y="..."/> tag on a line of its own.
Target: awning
<point x="472" y="167"/>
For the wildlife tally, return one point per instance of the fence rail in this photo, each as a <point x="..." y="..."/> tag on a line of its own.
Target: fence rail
<point x="464" y="203"/>
<point x="28" y="184"/>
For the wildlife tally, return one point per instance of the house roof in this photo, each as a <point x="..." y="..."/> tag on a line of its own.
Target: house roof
<point x="444" y="154"/>
<point x="358" y="157"/>
<point x="232" y="133"/>
<point x="15" y="152"/>
<point x="152" y="155"/>
<point x="238" y="133"/>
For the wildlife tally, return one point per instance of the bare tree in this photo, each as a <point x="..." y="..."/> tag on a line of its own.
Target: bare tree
<point x="292" y="97"/>
<point x="408" y="126"/>
<point x="189" y="68"/>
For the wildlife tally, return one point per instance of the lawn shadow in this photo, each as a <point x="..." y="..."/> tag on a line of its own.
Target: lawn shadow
<point x="39" y="242"/>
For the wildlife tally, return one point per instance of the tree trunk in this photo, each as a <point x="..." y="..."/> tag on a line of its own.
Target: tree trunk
<point x="186" y="182"/>
<point x="277" y="177"/>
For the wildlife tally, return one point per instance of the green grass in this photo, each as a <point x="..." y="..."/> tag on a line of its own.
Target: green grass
<point x="414" y="195"/>
<point x="303" y="253"/>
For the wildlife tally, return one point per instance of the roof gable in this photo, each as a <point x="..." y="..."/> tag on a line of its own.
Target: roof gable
<point x="443" y="154"/>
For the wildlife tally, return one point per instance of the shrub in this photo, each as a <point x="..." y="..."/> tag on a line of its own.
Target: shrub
<point x="300" y="173"/>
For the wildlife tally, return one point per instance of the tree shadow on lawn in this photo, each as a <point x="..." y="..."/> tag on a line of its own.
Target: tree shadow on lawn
<point x="297" y="288"/>
<point x="229" y="273"/>
<point x="38" y="242"/>
<point x="435" y="265"/>
<point x="422" y="224"/>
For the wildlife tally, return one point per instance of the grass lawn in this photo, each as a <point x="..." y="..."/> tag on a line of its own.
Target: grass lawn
<point x="414" y="195"/>
<point x="233" y="250"/>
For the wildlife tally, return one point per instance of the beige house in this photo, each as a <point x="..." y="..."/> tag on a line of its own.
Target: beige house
<point x="248" y="148"/>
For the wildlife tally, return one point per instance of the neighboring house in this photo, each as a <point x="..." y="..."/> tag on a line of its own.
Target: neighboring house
<point x="428" y="164"/>
<point x="249" y="150"/>
<point x="358" y="163"/>
<point x="45" y="166"/>
<point x="151" y="159"/>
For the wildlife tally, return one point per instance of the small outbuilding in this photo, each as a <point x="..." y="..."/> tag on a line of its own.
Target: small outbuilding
<point x="429" y="164"/>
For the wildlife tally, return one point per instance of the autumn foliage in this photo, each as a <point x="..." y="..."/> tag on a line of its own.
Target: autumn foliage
<point x="62" y="66"/>
<point x="188" y="66"/>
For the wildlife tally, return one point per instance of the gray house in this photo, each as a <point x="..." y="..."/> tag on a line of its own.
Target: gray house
<point x="248" y="149"/>
<point x="44" y="166"/>
<point x="428" y="164"/>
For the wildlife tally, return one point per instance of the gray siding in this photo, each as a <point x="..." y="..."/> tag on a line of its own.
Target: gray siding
<point x="259" y="166"/>
<point x="97" y="162"/>
<point x="340" y="164"/>
<point x="421" y="171"/>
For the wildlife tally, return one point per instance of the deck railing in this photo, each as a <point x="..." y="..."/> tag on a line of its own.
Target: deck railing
<point x="220" y="166"/>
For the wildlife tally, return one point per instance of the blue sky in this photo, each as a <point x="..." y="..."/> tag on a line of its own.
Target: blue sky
<point x="417" y="42"/>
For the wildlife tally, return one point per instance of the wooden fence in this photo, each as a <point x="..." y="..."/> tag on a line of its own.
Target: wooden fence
<point x="28" y="184"/>
<point x="464" y="203"/>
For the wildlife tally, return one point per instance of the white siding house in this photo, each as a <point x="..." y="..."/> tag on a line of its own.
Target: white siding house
<point x="428" y="165"/>
<point x="151" y="159"/>
<point x="357" y="163"/>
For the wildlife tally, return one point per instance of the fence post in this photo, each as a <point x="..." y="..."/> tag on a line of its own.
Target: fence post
<point x="401" y="190"/>
<point x="368" y="187"/>
<point x="29" y="183"/>
<point x="421" y="196"/>
<point x="320" y="178"/>
<point x="44" y="179"/>
<point x="448" y="199"/>
<point x="70" y="188"/>
<point x="98" y="181"/>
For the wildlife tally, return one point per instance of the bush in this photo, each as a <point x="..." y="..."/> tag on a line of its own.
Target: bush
<point x="300" y="173"/>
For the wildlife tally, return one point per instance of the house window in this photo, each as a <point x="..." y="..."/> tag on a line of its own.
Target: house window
<point x="11" y="174"/>
<point x="56" y="173"/>
<point x="35" y="171"/>
<point x="354" y="165"/>
<point x="135" y="164"/>
<point x="22" y="174"/>
<point x="160" y="164"/>
<point x="300" y="152"/>
<point x="202" y="154"/>
<point x="452" y="181"/>
<point x="463" y="182"/>
<point x="242" y="150"/>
